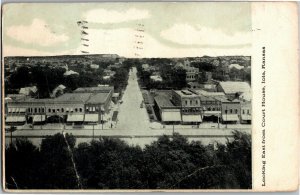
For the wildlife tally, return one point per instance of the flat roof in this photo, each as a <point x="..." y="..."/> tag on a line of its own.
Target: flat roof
<point x="93" y="89"/>
<point x="98" y="98"/>
<point x="186" y="93"/>
<point x="163" y="100"/>
<point x="73" y="97"/>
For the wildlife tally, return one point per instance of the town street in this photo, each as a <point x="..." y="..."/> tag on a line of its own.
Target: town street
<point x="133" y="125"/>
<point x="131" y="116"/>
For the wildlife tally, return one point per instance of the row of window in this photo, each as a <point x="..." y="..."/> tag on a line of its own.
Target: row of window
<point x="191" y="102"/>
<point x="190" y="76"/>
<point x="54" y="110"/>
<point x="191" y="110"/>
<point x="244" y="111"/>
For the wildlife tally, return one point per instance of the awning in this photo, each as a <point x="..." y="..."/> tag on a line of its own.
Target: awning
<point x="191" y="118"/>
<point x="22" y="109"/>
<point x="11" y="119"/>
<point x="246" y="117"/>
<point x="75" y="117"/>
<point x="39" y="118"/>
<point x="230" y="117"/>
<point x="170" y="116"/>
<point x="9" y="110"/>
<point x="91" y="118"/>
<point x="211" y="113"/>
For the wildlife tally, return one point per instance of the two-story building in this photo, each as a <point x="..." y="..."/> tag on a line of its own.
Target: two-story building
<point x="190" y="105"/>
<point x="84" y="105"/>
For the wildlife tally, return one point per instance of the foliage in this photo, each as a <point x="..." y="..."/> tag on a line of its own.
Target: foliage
<point x="109" y="163"/>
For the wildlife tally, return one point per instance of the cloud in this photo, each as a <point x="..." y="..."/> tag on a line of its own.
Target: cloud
<point x="105" y="16"/>
<point x="122" y="42"/>
<point x="37" y="32"/>
<point x="203" y="36"/>
<point x="9" y="50"/>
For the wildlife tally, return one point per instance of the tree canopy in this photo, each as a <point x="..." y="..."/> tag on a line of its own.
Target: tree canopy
<point x="109" y="163"/>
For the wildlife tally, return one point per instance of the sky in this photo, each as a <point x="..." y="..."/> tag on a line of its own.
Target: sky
<point x="186" y="29"/>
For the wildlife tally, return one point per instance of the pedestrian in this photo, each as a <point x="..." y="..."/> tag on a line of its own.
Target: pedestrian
<point x="111" y="125"/>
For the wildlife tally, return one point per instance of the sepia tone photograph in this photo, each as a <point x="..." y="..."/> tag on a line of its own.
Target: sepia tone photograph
<point x="126" y="96"/>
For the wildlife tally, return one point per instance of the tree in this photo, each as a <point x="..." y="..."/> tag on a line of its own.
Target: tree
<point x="22" y="160"/>
<point x="57" y="163"/>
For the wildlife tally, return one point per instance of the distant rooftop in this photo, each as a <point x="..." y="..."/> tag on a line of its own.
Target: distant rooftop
<point x="93" y="89"/>
<point x="186" y="93"/>
<point x="163" y="100"/>
<point x="230" y="87"/>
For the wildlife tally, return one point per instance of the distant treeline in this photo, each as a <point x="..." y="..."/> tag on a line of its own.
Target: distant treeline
<point x="46" y="78"/>
<point x="106" y="163"/>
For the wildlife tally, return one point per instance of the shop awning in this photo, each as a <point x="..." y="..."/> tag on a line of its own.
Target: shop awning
<point x="230" y="117"/>
<point x="191" y="118"/>
<point x="12" y="119"/>
<point x="246" y="117"/>
<point x="39" y="118"/>
<point x="9" y="110"/>
<point x="75" y="118"/>
<point x="22" y="109"/>
<point x="171" y="116"/>
<point x="91" y="118"/>
<point x="211" y="113"/>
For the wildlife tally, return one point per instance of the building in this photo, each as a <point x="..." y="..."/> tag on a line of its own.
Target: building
<point x="190" y="104"/>
<point x="191" y="73"/>
<point x="231" y="111"/>
<point x="233" y="89"/>
<point x="57" y="91"/>
<point x="28" y="91"/>
<point x="84" y="105"/>
<point x="246" y="110"/>
<point x="167" y="111"/>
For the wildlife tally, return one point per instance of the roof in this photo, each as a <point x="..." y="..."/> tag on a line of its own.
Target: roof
<point x="206" y="98"/>
<point x="61" y="86"/>
<point x="237" y="66"/>
<point x="230" y="87"/>
<point x="73" y="97"/>
<point x="27" y="90"/>
<point x="163" y="100"/>
<point x="97" y="98"/>
<point x="70" y="72"/>
<point x="186" y="93"/>
<point x="93" y="89"/>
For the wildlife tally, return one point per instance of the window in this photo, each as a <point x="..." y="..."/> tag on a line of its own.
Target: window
<point x="230" y="111"/>
<point x="49" y="110"/>
<point x="225" y="111"/>
<point x="58" y="109"/>
<point x="213" y="109"/>
<point x="76" y="110"/>
<point x="39" y="110"/>
<point x="35" y="110"/>
<point x="191" y="102"/>
<point x="62" y="109"/>
<point x="86" y="109"/>
<point x="97" y="108"/>
<point x="236" y="111"/>
<point x="186" y="102"/>
<point x="43" y="110"/>
<point x="243" y="111"/>
<point x="196" y="102"/>
<point x="80" y="109"/>
<point x="248" y="111"/>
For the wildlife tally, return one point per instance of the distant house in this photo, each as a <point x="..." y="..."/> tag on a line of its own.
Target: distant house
<point x="28" y="91"/>
<point x="94" y="66"/>
<point x="59" y="90"/>
<point x="70" y="72"/>
<point x="237" y="66"/>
